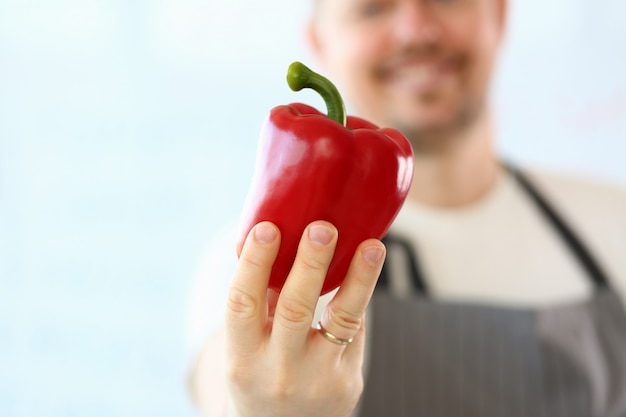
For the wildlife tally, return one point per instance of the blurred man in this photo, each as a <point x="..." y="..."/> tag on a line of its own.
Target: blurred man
<point x="499" y="292"/>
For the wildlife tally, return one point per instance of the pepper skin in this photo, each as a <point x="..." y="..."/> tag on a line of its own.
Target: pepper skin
<point x="310" y="167"/>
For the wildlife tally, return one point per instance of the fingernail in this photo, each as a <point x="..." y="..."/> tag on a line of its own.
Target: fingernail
<point x="373" y="254"/>
<point x="265" y="233"/>
<point x="321" y="235"/>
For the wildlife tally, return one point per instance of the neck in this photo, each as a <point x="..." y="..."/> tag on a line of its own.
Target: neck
<point x="459" y="173"/>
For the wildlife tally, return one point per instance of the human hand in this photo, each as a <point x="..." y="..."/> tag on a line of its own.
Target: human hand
<point x="278" y="365"/>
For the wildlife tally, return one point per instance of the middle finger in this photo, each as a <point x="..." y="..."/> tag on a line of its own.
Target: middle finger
<point x="298" y="298"/>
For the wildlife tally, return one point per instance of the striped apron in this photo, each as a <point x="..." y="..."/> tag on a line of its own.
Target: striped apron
<point x="446" y="359"/>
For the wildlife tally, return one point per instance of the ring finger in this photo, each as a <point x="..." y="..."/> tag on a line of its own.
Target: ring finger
<point x="343" y="316"/>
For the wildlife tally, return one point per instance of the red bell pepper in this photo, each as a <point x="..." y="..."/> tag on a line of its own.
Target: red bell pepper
<point x="312" y="167"/>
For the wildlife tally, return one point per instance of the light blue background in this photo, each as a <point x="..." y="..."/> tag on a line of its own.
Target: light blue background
<point x="127" y="138"/>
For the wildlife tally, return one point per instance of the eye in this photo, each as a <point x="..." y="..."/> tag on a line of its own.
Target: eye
<point x="372" y="8"/>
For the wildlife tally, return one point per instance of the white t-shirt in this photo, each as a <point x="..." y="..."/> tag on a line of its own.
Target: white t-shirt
<point x="499" y="250"/>
<point x="502" y="250"/>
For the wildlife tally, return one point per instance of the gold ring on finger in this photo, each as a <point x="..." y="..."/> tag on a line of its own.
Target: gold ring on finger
<point x="331" y="337"/>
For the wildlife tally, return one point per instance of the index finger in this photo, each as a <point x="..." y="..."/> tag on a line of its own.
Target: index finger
<point x="246" y="307"/>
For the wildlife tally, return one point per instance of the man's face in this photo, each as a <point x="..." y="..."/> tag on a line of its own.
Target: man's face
<point x="421" y="66"/>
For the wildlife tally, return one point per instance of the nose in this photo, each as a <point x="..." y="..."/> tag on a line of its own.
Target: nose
<point x="415" y="22"/>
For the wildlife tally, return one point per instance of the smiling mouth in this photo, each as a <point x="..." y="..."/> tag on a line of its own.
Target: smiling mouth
<point x="424" y="76"/>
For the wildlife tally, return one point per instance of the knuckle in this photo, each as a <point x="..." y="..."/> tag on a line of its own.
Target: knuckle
<point x="251" y="261"/>
<point x="313" y="262"/>
<point x="294" y="313"/>
<point x="241" y="304"/>
<point x="239" y="375"/>
<point x="349" y="387"/>
<point x="367" y="279"/>
<point x="282" y="388"/>
<point x="344" y="319"/>
<point x="353" y="388"/>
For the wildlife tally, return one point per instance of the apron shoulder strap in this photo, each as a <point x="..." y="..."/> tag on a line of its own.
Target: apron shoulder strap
<point x="394" y="242"/>
<point x="569" y="237"/>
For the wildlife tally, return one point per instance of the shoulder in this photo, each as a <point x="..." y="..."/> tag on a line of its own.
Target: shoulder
<point x="595" y="210"/>
<point x="574" y="188"/>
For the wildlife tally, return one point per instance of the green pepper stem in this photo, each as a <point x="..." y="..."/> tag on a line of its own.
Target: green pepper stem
<point x="299" y="76"/>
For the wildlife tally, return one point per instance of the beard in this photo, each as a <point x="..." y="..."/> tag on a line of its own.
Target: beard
<point x="434" y="138"/>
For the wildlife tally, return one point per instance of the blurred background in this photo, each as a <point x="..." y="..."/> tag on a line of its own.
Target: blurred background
<point x="127" y="139"/>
